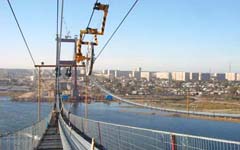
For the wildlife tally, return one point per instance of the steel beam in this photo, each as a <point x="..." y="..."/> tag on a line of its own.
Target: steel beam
<point x="61" y="65"/>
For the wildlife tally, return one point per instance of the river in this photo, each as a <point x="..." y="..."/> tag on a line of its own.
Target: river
<point x="151" y="119"/>
<point x="16" y="115"/>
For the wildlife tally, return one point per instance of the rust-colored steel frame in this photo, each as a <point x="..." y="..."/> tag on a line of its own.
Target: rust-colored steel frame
<point x="92" y="31"/>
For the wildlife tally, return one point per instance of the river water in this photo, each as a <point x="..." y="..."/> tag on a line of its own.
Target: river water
<point x="16" y="115"/>
<point x="151" y="119"/>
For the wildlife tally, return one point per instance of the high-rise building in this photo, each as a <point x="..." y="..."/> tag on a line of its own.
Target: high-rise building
<point x="136" y="75"/>
<point x="194" y="76"/>
<point x="163" y="75"/>
<point x="238" y="77"/>
<point x="220" y="76"/>
<point x="230" y="76"/>
<point x="205" y="76"/>
<point x="180" y="76"/>
<point x="111" y="73"/>
<point x="147" y="75"/>
<point x="119" y="73"/>
<point x="139" y="69"/>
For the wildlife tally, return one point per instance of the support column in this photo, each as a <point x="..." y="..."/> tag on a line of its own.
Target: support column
<point x="39" y="93"/>
<point x="173" y="142"/>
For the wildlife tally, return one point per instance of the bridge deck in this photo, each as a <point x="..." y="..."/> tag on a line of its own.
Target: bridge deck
<point x="51" y="139"/>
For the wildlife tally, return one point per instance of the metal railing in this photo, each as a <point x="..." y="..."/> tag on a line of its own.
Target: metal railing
<point x="199" y="113"/>
<point x="120" y="137"/>
<point x="71" y="139"/>
<point x="25" y="139"/>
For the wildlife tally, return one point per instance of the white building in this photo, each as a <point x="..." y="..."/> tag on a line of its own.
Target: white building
<point x="230" y="76"/>
<point x="139" y="69"/>
<point x="238" y="77"/>
<point x="180" y="76"/>
<point x="163" y="75"/>
<point x="110" y="73"/>
<point x="147" y="75"/>
<point x="104" y="72"/>
<point x="136" y="73"/>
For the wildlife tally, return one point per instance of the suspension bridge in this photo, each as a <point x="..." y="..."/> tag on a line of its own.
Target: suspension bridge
<point x="63" y="130"/>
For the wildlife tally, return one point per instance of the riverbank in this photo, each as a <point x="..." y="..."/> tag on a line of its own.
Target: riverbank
<point x="194" y="104"/>
<point x="25" y="96"/>
<point x="152" y="113"/>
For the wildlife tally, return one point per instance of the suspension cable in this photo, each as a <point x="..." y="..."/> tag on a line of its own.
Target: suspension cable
<point x="61" y="25"/>
<point x="105" y="45"/>
<point x="57" y="17"/>
<point x="24" y="39"/>
<point x="66" y="27"/>
<point x="59" y="37"/>
<point x="90" y="19"/>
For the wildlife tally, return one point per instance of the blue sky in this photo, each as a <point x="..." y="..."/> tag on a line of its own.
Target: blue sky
<point x="164" y="35"/>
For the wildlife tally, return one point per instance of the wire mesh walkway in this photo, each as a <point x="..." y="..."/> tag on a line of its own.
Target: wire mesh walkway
<point x="51" y="139"/>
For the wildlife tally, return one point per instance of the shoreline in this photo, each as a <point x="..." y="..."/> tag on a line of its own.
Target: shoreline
<point x="22" y="99"/>
<point x="168" y="114"/>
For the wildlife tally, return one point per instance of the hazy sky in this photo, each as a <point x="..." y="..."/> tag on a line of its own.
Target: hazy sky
<point x="164" y="35"/>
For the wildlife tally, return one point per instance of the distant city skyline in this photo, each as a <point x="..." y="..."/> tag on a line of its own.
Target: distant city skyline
<point x="144" y="69"/>
<point x="173" y="35"/>
<point x="166" y="69"/>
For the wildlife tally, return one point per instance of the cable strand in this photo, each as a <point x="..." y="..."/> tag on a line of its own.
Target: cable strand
<point x="24" y="39"/>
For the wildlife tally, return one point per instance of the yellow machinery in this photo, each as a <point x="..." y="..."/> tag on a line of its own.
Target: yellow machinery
<point x="79" y="56"/>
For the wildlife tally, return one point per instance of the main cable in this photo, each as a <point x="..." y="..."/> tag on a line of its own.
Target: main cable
<point x="57" y="18"/>
<point x="24" y="39"/>
<point x="105" y="45"/>
<point x="61" y="26"/>
<point x="59" y="38"/>
<point x="57" y="51"/>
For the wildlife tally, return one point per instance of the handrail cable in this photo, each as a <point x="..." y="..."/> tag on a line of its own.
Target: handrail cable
<point x="24" y="39"/>
<point x="105" y="45"/>
<point x="66" y="28"/>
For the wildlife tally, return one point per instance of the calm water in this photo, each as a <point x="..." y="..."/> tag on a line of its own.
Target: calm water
<point x="122" y="114"/>
<point x="17" y="115"/>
